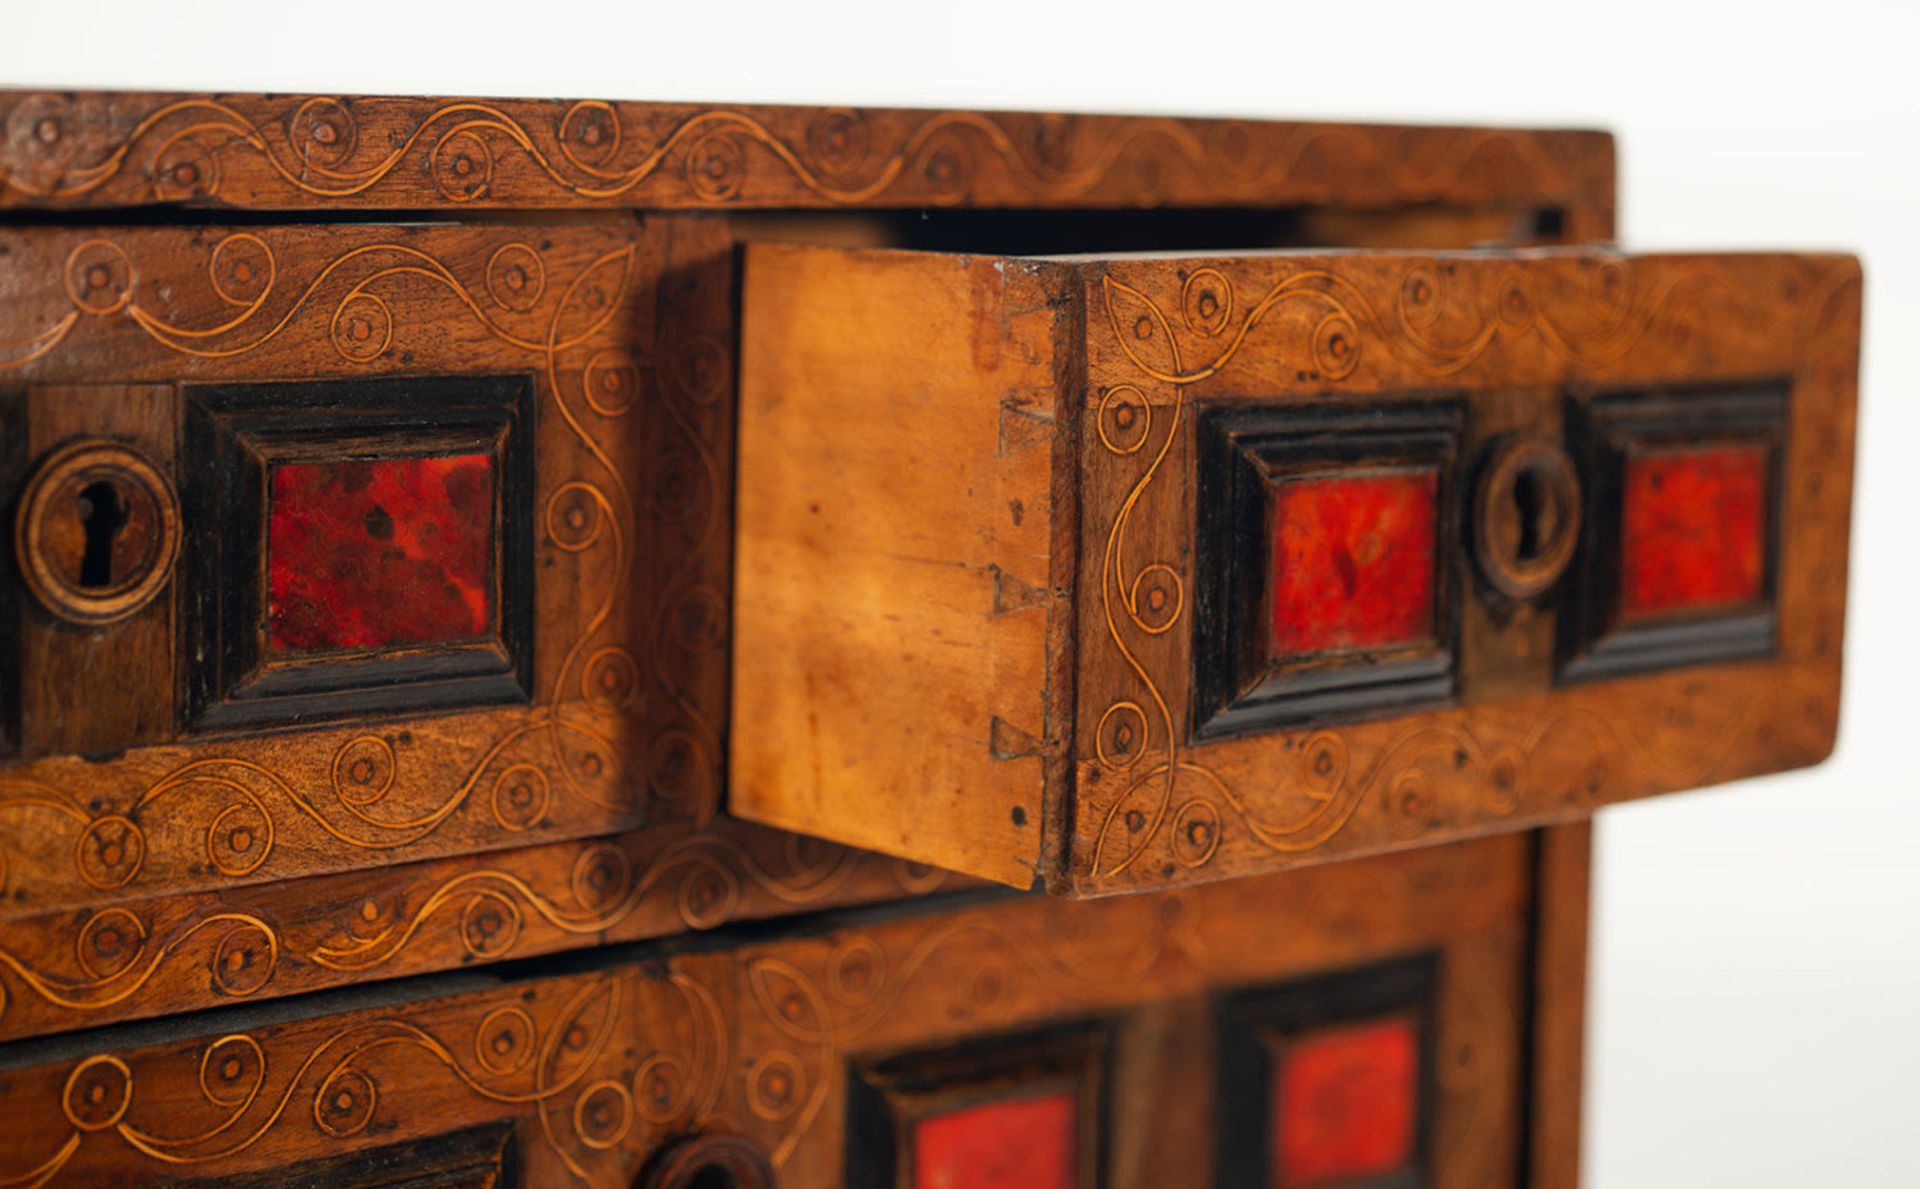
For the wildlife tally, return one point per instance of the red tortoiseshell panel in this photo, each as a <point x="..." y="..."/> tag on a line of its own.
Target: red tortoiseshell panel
<point x="1693" y="529"/>
<point x="1016" y="1143"/>
<point x="1353" y="561"/>
<point x="364" y="555"/>
<point x="1345" y="1103"/>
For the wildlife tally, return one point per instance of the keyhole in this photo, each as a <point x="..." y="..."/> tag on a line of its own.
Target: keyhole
<point x="103" y="512"/>
<point x="1533" y="509"/>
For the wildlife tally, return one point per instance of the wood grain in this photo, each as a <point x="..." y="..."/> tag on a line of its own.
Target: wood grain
<point x="900" y="583"/>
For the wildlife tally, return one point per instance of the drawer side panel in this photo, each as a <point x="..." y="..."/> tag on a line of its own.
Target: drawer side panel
<point x="893" y="683"/>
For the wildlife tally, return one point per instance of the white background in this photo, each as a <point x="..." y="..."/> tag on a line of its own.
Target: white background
<point x="1756" y="988"/>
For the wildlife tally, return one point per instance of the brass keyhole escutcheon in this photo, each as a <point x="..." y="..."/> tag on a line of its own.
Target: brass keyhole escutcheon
<point x="1526" y="517"/>
<point x="98" y="532"/>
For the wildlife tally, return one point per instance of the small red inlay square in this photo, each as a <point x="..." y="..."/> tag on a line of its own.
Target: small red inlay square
<point x="378" y="554"/>
<point x="1016" y="1143"/>
<point x="1693" y="529"/>
<point x="1345" y="1103"/>
<point x="1353" y="561"/>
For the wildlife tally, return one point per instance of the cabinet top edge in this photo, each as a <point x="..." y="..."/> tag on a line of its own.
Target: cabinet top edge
<point x="114" y="149"/>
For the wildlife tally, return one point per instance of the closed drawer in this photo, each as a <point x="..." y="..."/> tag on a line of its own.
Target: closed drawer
<point x="1171" y="1038"/>
<point x="1121" y="572"/>
<point x="325" y="545"/>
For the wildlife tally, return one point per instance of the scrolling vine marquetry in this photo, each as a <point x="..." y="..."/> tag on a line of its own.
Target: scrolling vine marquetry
<point x="414" y="769"/>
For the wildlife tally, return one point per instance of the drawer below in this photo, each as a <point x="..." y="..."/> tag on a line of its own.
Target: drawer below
<point x="1384" y="1031"/>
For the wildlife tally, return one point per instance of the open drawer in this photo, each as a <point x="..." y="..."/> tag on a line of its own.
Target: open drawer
<point x="1119" y="572"/>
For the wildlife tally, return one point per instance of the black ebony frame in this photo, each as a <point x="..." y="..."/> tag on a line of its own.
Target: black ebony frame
<point x="1243" y="452"/>
<point x="1604" y="430"/>
<point x="1252" y="1028"/>
<point x="888" y="1096"/>
<point x="234" y="435"/>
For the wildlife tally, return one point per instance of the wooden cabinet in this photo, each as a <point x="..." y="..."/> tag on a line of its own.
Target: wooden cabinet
<point x="413" y="771"/>
<point x="1121" y="572"/>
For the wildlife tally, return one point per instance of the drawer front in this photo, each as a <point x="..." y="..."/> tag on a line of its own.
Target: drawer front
<point x="1151" y="1040"/>
<point x="1122" y="572"/>
<point x="327" y="545"/>
<point x="144" y="957"/>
